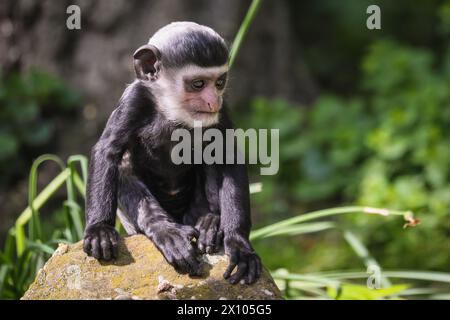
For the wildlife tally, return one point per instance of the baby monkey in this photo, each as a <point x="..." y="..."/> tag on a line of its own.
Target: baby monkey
<point x="181" y="75"/>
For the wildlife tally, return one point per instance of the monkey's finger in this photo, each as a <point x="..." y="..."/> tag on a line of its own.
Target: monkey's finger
<point x="114" y="238"/>
<point x="201" y="241"/>
<point x="211" y="240"/>
<point x="195" y="233"/>
<point x="206" y="222"/>
<point x="207" y="241"/>
<point x="192" y="233"/>
<point x="211" y="237"/>
<point x="171" y="240"/>
<point x="201" y="247"/>
<point x="183" y="263"/>
<point x="178" y="264"/>
<point x="194" y="253"/>
<point x="219" y="239"/>
<point x="87" y="245"/>
<point x="239" y="274"/>
<point x="194" y="265"/>
<point x="105" y="245"/>
<point x="176" y="251"/>
<point x="169" y="257"/>
<point x="234" y="258"/>
<point x="95" y="251"/>
<point x="252" y="270"/>
<point x="258" y="268"/>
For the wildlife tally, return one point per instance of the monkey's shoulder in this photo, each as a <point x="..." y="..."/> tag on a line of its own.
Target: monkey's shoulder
<point x="137" y="99"/>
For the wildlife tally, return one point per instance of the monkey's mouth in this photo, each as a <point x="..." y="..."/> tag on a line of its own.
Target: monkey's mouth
<point x="205" y="114"/>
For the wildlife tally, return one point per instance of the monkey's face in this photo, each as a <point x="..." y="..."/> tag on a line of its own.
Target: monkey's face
<point x="170" y="66"/>
<point x="191" y="93"/>
<point x="203" y="91"/>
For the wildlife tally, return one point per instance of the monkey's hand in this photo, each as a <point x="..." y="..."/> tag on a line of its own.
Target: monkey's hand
<point x="244" y="258"/>
<point x="210" y="238"/>
<point x="175" y="243"/>
<point x="101" y="241"/>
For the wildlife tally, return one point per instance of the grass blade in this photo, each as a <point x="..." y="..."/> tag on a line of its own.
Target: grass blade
<point x="79" y="184"/>
<point x="256" y="234"/>
<point x="300" y="229"/>
<point x="35" y="225"/>
<point x="361" y="251"/>
<point x="243" y="29"/>
<point x="37" y="245"/>
<point x="37" y="203"/>
<point x="74" y="211"/>
<point x="83" y="161"/>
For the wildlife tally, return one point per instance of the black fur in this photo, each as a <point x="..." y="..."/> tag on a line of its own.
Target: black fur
<point x="131" y="168"/>
<point x="197" y="47"/>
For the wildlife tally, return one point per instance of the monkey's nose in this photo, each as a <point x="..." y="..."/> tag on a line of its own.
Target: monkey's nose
<point x="213" y="107"/>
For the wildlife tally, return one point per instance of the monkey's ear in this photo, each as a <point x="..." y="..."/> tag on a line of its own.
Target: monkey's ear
<point x="147" y="60"/>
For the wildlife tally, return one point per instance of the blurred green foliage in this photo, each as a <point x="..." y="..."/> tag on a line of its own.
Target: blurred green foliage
<point x="31" y="103"/>
<point x="387" y="146"/>
<point x="333" y="34"/>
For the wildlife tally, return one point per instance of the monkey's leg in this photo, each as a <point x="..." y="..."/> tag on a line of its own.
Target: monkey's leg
<point x="172" y="239"/>
<point x="204" y="218"/>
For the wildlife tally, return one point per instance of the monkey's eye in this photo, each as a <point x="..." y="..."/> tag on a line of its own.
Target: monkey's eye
<point x="198" y="84"/>
<point x="220" y="83"/>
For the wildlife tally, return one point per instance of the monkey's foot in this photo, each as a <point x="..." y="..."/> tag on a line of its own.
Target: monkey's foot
<point x="244" y="259"/>
<point x="211" y="237"/>
<point x="174" y="241"/>
<point x="101" y="241"/>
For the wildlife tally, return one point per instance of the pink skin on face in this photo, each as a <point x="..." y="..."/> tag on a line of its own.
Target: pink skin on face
<point x="206" y="101"/>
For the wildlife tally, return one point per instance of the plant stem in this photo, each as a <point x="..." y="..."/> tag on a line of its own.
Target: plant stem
<point x="37" y="203"/>
<point x="243" y="29"/>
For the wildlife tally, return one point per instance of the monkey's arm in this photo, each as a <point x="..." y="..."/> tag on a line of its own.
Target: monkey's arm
<point x="232" y="195"/>
<point x="144" y="210"/>
<point x="100" y="239"/>
<point x="235" y="223"/>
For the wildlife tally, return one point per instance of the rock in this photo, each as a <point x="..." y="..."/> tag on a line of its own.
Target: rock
<point x="140" y="272"/>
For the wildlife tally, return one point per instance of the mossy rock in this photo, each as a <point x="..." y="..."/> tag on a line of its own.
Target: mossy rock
<point x="140" y="272"/>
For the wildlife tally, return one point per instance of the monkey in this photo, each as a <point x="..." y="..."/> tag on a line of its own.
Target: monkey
<point x="186" y="209"/>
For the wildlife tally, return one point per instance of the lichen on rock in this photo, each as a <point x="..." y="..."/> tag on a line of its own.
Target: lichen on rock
<point x="140" y="272"/>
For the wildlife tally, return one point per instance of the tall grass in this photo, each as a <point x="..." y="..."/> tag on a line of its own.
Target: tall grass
<point x="26" y="246"/>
